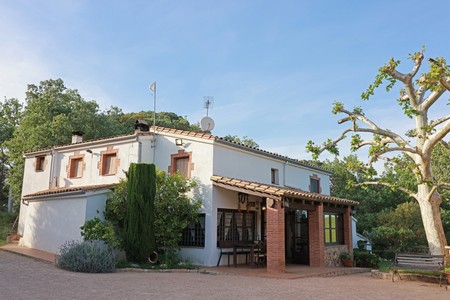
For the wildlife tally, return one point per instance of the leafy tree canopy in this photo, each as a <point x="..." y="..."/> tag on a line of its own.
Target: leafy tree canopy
<point x="419" y="92"/>
<point x="244" y="140"/>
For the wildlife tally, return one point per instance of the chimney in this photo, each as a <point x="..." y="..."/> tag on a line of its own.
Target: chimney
<point x="77" y="137"/>
<point x="141" y="126"/>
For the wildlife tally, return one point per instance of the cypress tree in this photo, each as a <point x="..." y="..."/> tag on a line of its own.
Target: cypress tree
<point x="139" y="223"/>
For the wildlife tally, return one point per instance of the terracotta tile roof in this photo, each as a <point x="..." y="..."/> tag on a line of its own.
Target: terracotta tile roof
<point x="197" y="134"/>
<point x="85" y="188"/>
<point x="278" y="191"/>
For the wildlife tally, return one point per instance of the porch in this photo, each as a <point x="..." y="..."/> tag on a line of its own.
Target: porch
<point x="296" y="226"/>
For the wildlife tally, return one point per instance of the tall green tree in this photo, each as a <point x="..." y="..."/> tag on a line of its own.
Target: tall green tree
<point x="245" y="140"/>
<point x="51" y="113"/>
<point x="419" y="93"/>
<point x="140" y="217"/>
<point x="373" y="199"/>
<point x="164" y="119"/>
<point x="10" y="114"/>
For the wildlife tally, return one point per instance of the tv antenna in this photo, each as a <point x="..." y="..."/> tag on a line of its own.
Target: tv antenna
<point x="208" y="102"/>
<point x="207" y="123"/>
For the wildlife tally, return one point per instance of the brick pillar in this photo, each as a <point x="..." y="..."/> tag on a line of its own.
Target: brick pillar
<point x="276" y="257"/>
<point x="316" y="237"/>
<point x="348" y="238"/>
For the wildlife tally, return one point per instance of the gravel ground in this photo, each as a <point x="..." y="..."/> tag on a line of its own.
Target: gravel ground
<point x="26" y="278"/>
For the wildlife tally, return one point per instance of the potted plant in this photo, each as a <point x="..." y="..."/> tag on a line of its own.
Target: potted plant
<point x="346" y="259"/>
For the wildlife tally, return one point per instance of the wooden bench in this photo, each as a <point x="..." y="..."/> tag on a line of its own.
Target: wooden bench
<point x="418" y="262"/>
<point x="226" y="248"/>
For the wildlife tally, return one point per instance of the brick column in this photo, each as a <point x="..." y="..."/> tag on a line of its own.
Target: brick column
<point x="276" y="257"/>
<point x="316" y="237"/>
<point x="348" y="238"/>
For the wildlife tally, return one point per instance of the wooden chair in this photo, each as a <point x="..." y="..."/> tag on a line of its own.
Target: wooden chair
<point x="259" y="255"/>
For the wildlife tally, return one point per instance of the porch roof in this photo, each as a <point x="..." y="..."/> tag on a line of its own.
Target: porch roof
<point x="274" y="191"/>
<point x="64" y="190"/>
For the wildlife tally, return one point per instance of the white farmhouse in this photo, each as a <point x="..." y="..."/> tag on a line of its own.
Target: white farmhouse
<point x="248" y="194"/>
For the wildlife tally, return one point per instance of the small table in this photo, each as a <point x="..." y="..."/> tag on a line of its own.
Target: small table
<point x="244" y="245"/>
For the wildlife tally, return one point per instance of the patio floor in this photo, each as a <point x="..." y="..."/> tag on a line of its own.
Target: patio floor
<point x="292" y="271"/>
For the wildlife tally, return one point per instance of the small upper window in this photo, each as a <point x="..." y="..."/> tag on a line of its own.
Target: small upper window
<point x="182" y="166"/>
<point x="109" y="164"/>
<point x="314" y="184"/>
<point x="40" y="163"/>
<point x="274" y="176"/>
<point x="181" y="163"/>
<point x="76" y="168"/>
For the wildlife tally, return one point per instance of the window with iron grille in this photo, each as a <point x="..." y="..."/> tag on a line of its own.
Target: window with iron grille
<point x="194" y="233"/>
<point x="233" y="225"/>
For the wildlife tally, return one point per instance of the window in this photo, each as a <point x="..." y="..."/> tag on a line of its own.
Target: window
<point x="40" y="163"/>
<point x="181" y="166"/>
<point x="333" y="228"/>
<point x="314" y="184"/>
<point x="76" y="168"/>
<point x="194" y="233"/>
<point x="181" y="163"/>
<point x="108" y="164"/>
<point x="274" y="176"/>
<point x="233" y="225"/>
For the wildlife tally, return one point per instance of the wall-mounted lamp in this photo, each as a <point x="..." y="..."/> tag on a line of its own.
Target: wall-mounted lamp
<point x="89" y="151"/>
<point x="179" y="142"/>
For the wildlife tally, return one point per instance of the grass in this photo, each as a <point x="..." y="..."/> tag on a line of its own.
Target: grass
<point x="385" y="265"/>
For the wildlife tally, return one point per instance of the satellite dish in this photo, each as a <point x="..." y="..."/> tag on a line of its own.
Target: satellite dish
<point x="207" y="124"/>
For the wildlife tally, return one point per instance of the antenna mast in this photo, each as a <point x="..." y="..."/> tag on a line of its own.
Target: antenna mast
<point x="208" y="102"/>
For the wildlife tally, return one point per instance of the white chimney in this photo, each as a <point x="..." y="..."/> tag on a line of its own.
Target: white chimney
<point x="77" y="137"/>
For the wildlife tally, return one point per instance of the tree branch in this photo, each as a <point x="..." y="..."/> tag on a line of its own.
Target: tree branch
<point x="407" y="80"/>
<point x="380" y="183"/>
<point x="445" y="186"/>
<point x="430" y="100"/>
<point x="397" y="139"/>
<point x="436" y="137"/>
<point x="445" y="82"/>
<point x="439" y="121"/>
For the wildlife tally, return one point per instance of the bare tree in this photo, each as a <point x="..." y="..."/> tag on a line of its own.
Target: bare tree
<point x="419" y="93"/>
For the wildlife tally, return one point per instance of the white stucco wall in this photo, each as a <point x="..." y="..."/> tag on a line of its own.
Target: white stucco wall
<point x="236" y="163"/>
<point x="202" y="158"/>
<point x="52" y="221"/>
<point x="36" y="180"/>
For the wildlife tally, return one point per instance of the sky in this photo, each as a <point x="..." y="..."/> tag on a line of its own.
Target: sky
<point x="274" y="68"/>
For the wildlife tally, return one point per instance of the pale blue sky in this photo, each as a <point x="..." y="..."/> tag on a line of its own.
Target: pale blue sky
<point x="274" y="68"/>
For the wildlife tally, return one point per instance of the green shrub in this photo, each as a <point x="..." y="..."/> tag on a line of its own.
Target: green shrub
<point x="364" y="259"/>
<point x="6" y="220"/>
<point x="93" y="256"/>
<point x="169" y="258"/>
<point x="95" y="229"/>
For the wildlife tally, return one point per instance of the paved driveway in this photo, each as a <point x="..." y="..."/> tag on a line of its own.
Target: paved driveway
<point x="25" y="278"/>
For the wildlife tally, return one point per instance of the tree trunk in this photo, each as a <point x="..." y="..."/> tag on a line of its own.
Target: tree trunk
<point x="431" y="218"/>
